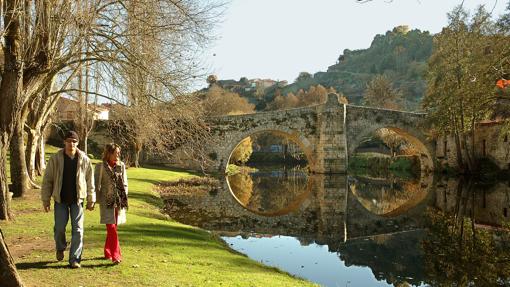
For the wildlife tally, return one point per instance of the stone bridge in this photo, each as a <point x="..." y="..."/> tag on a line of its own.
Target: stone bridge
<point x="328" y="134"/>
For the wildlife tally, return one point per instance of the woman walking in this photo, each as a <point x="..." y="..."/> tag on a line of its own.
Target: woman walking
<point x="112" y="190"/>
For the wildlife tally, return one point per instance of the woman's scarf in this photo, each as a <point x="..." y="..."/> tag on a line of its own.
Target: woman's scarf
<point x="116" y="197"/>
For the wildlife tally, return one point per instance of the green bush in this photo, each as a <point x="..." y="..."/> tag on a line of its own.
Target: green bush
<point x="378" y="165"/>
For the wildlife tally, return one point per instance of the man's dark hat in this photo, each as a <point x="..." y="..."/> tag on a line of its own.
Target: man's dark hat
<point x="71" y="135"/>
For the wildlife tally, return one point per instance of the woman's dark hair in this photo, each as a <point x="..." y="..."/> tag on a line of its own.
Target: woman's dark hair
<point x="110" y="149"/>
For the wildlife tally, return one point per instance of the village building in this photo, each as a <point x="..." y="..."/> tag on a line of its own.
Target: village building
<point x="490" y="143"/>
<point x="69" y="109"/>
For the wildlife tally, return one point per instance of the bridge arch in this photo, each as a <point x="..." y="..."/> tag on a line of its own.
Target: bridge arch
<point x="362" y="221"/>
<point x="294" y="136"/>
<point x="424" y="152"/>
<point x="297" y="125"/>
<point x="364" y="122"/>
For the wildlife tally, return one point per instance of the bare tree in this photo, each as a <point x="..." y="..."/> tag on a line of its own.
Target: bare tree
<point x="157" y="114"/>
<point x="84" y="122"/>
<point x="381" y="94"/>
<point x="218" y="101"/>
<point x="392" y="139"/>
<point x="54" y="34"/>
<point x="43" y="40"/>
<point x="160" y="129"/>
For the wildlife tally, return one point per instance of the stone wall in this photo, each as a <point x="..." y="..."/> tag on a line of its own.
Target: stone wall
<point x="490" y="143"/>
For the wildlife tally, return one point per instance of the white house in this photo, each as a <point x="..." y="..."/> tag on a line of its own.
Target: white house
<point x="68" y="110"/>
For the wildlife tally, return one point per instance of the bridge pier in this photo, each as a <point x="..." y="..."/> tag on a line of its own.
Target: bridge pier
<point x="331" y="147"/>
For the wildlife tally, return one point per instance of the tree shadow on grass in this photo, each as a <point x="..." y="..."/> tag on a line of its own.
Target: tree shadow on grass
<point x="173" y="169"/>
<point x="134" y="231"/>
<point x="150" y="199"/>
<point x="151" y="181"/>
<point x="149" y="214"/>
<point x="60" y="265"/>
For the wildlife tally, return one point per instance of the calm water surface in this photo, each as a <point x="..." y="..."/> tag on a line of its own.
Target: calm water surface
<point x="358" y="231"/>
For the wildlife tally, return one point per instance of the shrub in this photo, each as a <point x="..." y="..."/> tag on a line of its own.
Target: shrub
<point x="189" y="185"/>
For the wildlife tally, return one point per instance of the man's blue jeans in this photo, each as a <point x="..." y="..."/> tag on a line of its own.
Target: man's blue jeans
<point x="62" y="213"/>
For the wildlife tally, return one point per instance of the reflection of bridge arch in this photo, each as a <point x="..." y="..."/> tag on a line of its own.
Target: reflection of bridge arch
<point x="420" y="191"/>
<point x="294" y="205"/>
<point x="362" y="221"/>
<point x="292" y="135"/>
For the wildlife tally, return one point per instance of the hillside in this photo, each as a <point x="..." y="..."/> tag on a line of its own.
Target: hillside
<point x="400" y="54"/>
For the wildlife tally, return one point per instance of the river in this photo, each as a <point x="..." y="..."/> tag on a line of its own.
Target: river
<point x="347" y="230"/>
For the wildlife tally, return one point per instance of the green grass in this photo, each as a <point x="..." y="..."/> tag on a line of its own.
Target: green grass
<point x="382" y="165"/>
<point x="157" y="251"/>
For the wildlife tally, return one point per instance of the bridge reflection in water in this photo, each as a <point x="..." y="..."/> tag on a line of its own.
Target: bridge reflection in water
<point x="301" y="223"/>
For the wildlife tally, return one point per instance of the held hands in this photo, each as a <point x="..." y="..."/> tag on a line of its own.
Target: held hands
<point x="90" y="205"/>
<point x="47" y="206"/>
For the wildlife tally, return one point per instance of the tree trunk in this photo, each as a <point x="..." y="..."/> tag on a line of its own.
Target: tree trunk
<point x="4" y="189"/>
<point x="137" y="149"/>
<point x="11" y="98"/>
<point x="31" y="151"/>
<point x="40" y="161"/>
<point x="473" y="213"/>
<point x="136" y="157"/>
<point x="19" y="174"/>
<point x="8" y="275"/>
<point x="85" y="143"/>
<point x="476" y="163"/>
<point x="469" y="156"/>
<point x="458" y="150"/>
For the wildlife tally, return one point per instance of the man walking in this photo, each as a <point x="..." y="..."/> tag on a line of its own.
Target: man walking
<point x="69" y="178"/>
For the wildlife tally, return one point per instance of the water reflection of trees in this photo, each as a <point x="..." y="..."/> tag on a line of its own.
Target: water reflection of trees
<point x="395" y="258"/>
<point x="460" y="252"/>
<point x="269" y="191"/>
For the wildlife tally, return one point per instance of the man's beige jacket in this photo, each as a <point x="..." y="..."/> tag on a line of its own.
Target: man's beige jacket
<point x="52" y="181"/>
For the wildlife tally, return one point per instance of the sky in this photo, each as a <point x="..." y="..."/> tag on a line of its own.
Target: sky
<point x="277" y="39"/>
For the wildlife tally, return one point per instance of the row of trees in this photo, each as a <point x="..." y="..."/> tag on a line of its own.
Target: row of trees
<point x="217" y="101"/>
<point x="140" y="54"/>
<point x="470" y="55"/>
<point x="315" y="95"/>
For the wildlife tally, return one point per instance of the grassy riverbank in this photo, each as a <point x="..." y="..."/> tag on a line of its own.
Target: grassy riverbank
<point x="157" y="251"/>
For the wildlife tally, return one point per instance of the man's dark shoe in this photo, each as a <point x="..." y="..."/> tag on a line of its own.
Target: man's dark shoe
<point x="60" y="255"/>
<point x="75" y="265"/>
